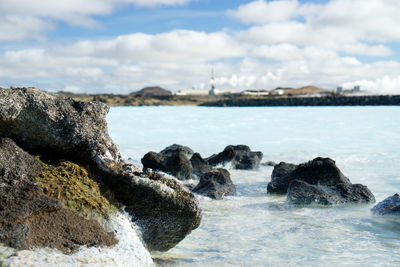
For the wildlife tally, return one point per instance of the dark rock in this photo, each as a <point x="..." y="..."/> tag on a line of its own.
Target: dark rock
<point x="240" y="156"/>
<point x="215" y="184"/>
<point x="303" y="193"/>
<point x="177" y="149"/>
<point x="268" y="164"/>
<point x="164" y="209"/>
<point x="281" y="177"/>
<point x="173" y="161"/>
<point x="389" y="206"/>
<point x="318" y="181"/>
<point x="321" y="171"/>
<point x="28" y="219"/>
<point x="42" y="123"/>
<point x="200" y="165"/>
<point x="57" y="128"/>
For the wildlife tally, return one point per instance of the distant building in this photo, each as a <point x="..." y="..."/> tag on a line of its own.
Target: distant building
<point x="356" y="89"/>
<point x="339" y="89"/>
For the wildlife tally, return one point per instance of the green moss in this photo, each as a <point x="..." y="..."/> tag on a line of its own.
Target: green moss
<point x="72" y="185"/>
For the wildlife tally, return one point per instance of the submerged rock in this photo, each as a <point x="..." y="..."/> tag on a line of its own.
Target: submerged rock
<point x="318" y="181"/>
<point x="388" y="206"/>
<point x="303" y="193"/>
<point x="240" y="156"/>
<point x="215" y="184"/>
<point x="64" y="129"/>
<point x="29" y="219"/>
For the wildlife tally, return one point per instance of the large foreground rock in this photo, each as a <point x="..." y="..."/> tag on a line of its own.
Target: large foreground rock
<point x="216" y="184"/>
<point x="240" y="157"/>
<point x="318" y="181"/>
<point x="388" y="206"/>
<point x="29" y="219"/>
<point x="55" y="128"/>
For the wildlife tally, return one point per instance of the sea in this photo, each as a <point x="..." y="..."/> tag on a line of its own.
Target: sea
<point x="253" y="228"/>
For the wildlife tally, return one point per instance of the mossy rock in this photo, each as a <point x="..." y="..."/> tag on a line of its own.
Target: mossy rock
<point x="76" y="189"/>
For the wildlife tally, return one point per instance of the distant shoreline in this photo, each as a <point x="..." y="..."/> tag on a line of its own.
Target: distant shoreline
<point x="238" y="100"/>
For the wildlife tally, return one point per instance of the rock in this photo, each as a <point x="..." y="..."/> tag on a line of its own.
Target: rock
<point x="303" y="193"/>
<point x="239" y="156"/>
<point x="164" y="209"/>
<point x="268" y="164"/>
<point x="322" y="171"/>
<point x="200" y="165"/>
<point x="281" y="177"/>
<point x="389" y="206"/>
<point x="173" y="160"/>
<point x="46" y="124"/>
<point x="57" y="128"/>
<point x="177" y="149"/>
<point x="318" y="181"/>
<point x="29" y="219"/>
<point x="215" y="184"/>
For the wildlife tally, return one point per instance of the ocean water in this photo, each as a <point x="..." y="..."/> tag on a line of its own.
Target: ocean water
<point x="255" y="229"/>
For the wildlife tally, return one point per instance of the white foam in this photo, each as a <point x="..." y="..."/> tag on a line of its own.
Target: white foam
<point x="128" y="252"/>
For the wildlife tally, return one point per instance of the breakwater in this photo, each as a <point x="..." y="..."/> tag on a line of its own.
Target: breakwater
<point x="373" y="100"/>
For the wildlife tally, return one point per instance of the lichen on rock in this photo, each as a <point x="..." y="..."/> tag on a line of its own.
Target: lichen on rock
<point x="75" y="188"/>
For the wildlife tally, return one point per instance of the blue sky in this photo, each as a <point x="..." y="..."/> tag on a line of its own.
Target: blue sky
<point x="119" y="46"/>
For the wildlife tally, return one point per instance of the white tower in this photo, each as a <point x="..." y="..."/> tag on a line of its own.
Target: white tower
<point x="212" y="90"/>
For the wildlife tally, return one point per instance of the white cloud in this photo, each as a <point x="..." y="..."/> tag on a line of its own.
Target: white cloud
<point x="17" y="28"/>
<point x="322" y="49"/>
<point x="349" y="26"/>
<point x="382" y="85"/>
<point x="25" y="19"/>
<point x="261" y="12"/>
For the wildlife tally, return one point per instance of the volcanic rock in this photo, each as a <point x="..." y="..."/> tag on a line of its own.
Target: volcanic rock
<point x="200" y="165"/>
<point x="318" y="181"/>
<point x="174" y="160"/>
<point x="389" y="206"/>
<point x="281" y="177"/>
<point x="240" y="156"/>
<point x="303" y="193"/>
<point x="215" y="184"/>
<point x="29" y="219"/>
<point x="61" y="128"/>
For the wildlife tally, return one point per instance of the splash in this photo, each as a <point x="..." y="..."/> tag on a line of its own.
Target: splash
<point x="128" y="252"/>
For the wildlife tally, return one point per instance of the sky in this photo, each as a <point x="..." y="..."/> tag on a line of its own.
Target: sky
<point x="121" y="46"/>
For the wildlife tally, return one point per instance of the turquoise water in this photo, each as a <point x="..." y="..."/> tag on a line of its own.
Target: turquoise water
<point x="254" y="229"/>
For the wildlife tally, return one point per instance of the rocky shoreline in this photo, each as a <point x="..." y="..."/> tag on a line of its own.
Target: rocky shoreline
<point x="372" y="100"/>
<point x="62" y="178"/>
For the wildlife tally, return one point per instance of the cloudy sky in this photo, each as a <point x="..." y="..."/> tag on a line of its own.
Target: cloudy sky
<point x="119" y="46"/>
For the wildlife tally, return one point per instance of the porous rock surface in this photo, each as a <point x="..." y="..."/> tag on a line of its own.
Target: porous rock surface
<point x="388" y="206"/>
<point x="29" y="219"/>
<point x="215" y="184"/>
<point x="240" y="157"/>
<point x="318" y="181"/>
<point x="179" y="161"/>
<point x="61" y="128"/>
